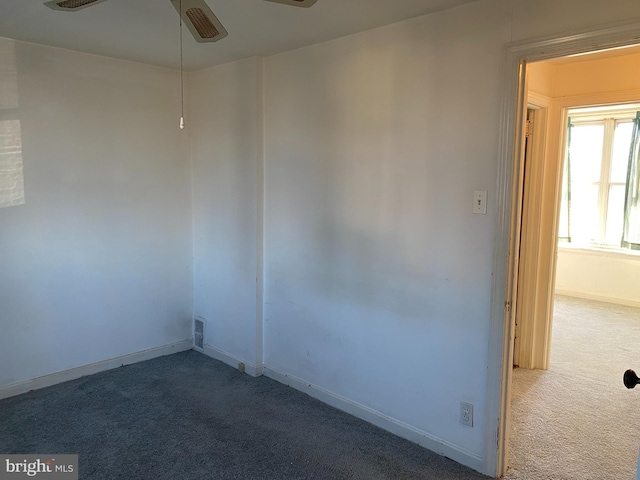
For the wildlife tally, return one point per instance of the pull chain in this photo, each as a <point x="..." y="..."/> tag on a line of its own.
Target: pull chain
<point x="181" y="75"/>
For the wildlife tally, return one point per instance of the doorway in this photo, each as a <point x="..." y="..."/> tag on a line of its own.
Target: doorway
<point x="576" y="420"/>
<point x="592" y="263"/>
<point x="510" y="197"/>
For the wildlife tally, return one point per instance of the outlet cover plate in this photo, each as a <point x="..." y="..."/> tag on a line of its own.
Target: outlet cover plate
<point x="466" y="414"/>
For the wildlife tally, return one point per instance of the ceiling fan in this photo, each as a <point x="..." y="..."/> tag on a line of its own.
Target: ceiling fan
<point x="196" y="15"/>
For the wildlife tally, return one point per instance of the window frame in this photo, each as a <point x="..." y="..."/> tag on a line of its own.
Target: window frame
<point x="609" y="117"/>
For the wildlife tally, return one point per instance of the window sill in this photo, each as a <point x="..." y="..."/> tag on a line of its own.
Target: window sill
<point x="601" y="251"/>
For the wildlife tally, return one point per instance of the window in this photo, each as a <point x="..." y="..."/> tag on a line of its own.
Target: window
<point x="11" y="176"/>
<point x="595" y="175"/>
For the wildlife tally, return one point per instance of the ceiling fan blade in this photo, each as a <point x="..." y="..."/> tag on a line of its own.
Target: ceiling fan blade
<point x="72" y="5"/>
<point x="200" y="20"/>
<point x="297" y="3"/>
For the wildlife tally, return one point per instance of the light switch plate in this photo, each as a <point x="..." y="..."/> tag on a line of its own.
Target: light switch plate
<point x="480" y="202"/>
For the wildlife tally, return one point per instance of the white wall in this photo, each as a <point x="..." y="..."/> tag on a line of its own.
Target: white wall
<point x="377" y="277"/>
<point x="225" y="122"/>
<point x="603" y="276"/>
<point x="96" y="264"/>
<point x="551" y="17"/>
<point x="377" y="274"/>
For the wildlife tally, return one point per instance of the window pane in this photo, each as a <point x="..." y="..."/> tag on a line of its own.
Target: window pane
<point x="563" y="225"/>
<point x="621" y="146"/>
<point x="586" y="152"/>
<point x="564" y="233"/>
<point x="615" y="215"/>
<point x="584" y="208"/>
<point x="8" y="74"/>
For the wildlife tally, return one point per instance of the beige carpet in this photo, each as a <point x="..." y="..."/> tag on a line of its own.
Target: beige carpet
<point x="577" y="421"/>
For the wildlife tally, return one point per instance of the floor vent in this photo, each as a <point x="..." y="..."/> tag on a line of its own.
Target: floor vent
<point x="198" y="333"/>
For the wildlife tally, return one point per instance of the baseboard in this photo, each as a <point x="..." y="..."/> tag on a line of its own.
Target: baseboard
<point x="598" y="298"/>
<point x="401" y="429"/>
<point x="231" y="360"/>
<point x="74" y="373"/>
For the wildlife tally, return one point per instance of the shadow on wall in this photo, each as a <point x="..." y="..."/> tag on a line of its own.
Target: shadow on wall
<point x="11" y="176"/>
<point x="373" y="217"/>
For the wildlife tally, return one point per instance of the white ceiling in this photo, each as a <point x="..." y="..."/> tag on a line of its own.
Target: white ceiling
<point x="147" y="30"/>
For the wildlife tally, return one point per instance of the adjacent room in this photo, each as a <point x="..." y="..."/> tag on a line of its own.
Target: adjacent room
<point x="573" y="401"/>
<point x="262" y="210"/>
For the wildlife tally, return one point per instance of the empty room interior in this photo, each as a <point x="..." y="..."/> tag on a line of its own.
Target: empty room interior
<point x="301" y="208"/>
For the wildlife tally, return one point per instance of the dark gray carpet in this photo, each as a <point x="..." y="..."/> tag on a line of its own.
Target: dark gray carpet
<point x="187" y="416"/>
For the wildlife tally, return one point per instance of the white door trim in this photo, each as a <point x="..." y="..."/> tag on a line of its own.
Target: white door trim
<point x="517" y="55"/>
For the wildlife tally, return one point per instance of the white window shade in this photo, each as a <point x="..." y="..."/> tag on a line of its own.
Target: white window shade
<point x="11" y="176"/>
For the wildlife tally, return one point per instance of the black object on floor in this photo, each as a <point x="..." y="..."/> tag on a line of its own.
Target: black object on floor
<point x="187" y="416"/>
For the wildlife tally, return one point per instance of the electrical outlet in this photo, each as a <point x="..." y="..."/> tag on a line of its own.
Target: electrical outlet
<point x="466" y="414"/>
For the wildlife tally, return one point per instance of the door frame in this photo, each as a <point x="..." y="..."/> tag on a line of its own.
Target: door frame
<point x="508" y="219"/>
<point x="534" y="300"/>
